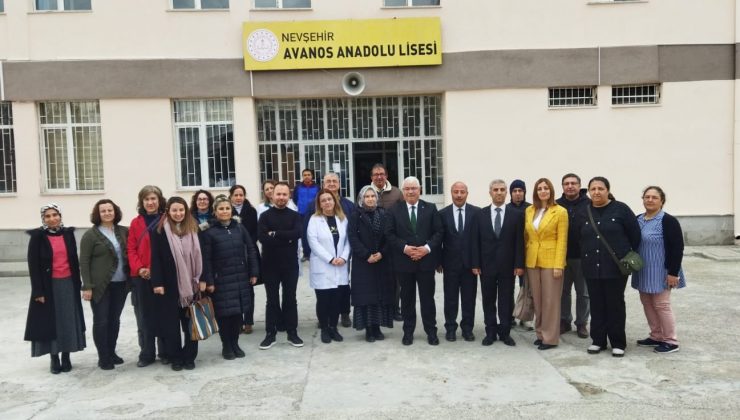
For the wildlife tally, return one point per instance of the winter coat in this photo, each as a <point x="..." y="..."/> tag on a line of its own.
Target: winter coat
<point x="138" y="246"/>
<point x="372" y="284"/>
<point x="98" y="259"/>
<point x="41" y="321"/>
<point x="324" y="275"/>
<point x="248" y="218"/>
<point x="574" y="208"/>
<point x="229" y="261"/>
<point x="618" y="224"/>
<point x="304" y="196"/>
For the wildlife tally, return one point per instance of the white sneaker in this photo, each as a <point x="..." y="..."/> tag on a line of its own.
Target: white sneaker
<point x="617" y="352"/>
<point x="594" y="349"/>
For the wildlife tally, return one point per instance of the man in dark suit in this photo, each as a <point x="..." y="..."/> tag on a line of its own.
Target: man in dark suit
<point x="460" y="284"/>
<point x="414" y="232"/>
<point x="498" y="256"/>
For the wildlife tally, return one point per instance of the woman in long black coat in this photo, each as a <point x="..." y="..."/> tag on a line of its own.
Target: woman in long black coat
<point x="247" y="214"/>
<point x="230" y="269"/>
<point x="55" y="322"/>
<point x="373" y="288"/>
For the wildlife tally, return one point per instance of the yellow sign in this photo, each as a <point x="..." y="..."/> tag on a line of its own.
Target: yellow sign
<point x="342" y="44"/>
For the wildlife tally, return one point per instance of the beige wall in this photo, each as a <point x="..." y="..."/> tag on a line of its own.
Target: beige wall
<point x="684" y="145"/>
<point x="146" y="29"/>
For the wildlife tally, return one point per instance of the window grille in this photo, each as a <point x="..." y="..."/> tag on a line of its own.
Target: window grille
<point x="410" y="3"/>
<point x="575" y="96"/>
<point x="636" y="94"/>
<point x="200" y="4"/>
<point x="72" y="144"/>
<point x="7" y="149"/>
<point x="205" y="142"/>
<point x="282" y="4"/>
<point x="62" y="5"/>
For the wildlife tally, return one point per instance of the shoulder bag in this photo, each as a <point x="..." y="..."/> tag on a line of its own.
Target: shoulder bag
<point x="632" y="262"/>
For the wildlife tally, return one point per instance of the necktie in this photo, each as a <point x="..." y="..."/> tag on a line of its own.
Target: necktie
<point x="459" y="221"/>
<point x="413" y="218"/>
<point x="497" y="222"/>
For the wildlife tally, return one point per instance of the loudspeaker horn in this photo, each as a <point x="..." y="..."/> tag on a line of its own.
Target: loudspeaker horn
<point x="353" y="83"/>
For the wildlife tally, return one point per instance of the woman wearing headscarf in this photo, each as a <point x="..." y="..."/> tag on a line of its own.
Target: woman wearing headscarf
<point x="104" y="269"/>
<point x="373" y="285"/>
<point x="661" y="248"/>
<point x="230" y="270"/>
<point x="242" y="208"/>
<point x="177" y="266"/>
<point x="55" y="322"/>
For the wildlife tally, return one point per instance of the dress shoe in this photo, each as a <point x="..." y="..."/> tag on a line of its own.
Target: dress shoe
<point x="189" y="365"/>
<point x="369" y="335"/>
<point x="582" y="331"/>
<point x="227" y="352"/>
<point x="346" y="321"/>
<point x="488" y="340"/>
<point x="565" y="327"/>
<point x="378" y="334"/>
<point x="176" y="366"/>
<point x="164" y="360"/>
<point x="116" y="359"/>
<point x="537" y="342"/>
<point x="544" y="346"/>
<point x="144" y="363"/>
<point x="106" y="364"/>
<point x="325" y="336"/>
<point x="334" y="333"/>
<point x="248" y="329"/>
<point x="433" y="340"/>
<point x="55" y="367"/>
<point x="407" y="340"/>
<point x="67" y="364"/>
<point x="468" y="336"/>
<point x="238" y="352"/>
<point x="450" y="336"/>
<point x="509" y="341"/>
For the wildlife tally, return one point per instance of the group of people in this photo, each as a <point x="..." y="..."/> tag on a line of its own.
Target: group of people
<point x="388" y="244"/>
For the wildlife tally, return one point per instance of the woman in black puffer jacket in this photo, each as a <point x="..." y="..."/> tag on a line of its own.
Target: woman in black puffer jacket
<point x="230" y="268"/>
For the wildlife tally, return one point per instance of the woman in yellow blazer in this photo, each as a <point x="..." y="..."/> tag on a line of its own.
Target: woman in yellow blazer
<point x="546" y="239"/>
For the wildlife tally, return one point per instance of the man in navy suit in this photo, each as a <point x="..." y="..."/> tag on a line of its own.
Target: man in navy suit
<point x="498" y="256"/>
<point x="460" y="284"/>
<point x="414" y="232"/>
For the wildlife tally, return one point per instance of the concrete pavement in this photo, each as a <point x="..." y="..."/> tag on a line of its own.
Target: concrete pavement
<point x="355" y="379"/>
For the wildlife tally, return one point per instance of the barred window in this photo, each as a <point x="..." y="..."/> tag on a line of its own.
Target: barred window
<point x="282" y="4"/>
<point x="72" y="144"/>
<point x="205" y="142"/>
<point x="200" y="4"/>
<point x="410" y="3"/>
<point x="7" y="149"/>
<point x="575" y="96"/>
<point x="62" y="5"/>
<point x="636" y="94"/>
<point x="2" y="6"/>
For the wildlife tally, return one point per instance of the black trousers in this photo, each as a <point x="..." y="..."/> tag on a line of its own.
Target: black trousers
<point x="180" y="348"/>
<point x="608" y="313"/>
<point x="424" y="280"/>
<point x="107" y="319"/>
<point x="248" y="316"/>
<point x="460" y="290"/>
<point x="281" y="312"/>
<point x="344" y="299"/>
<point x="328" y="302"/>
<point x="142" y="297"/>
<point x="229" y="328"/>
<point x="497" y="288"/>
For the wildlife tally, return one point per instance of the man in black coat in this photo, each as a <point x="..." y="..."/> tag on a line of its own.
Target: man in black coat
<point x="415" y="233"/>
<point x="498" y="256"/>
<point x="460" y="284"/>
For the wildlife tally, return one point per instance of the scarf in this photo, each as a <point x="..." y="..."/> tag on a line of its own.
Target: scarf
<point x="51" y="206"/>
<point x="188" y="263"/>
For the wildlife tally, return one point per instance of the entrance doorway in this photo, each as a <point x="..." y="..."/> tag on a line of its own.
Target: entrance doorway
<point x="365" y="155"/>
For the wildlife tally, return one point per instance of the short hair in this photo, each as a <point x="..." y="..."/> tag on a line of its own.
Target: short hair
<point x="95" y="215"/>
<point x="313" y="174"/>
<point x="188" y="224"/>
<point x="659" y="190"/>
<point x="379" y="166"/>
<point x="536" y="202"/>
<point x="194" y="200"/>
<point x="459" y="182"/>
<point x="151" y="189"/>
<point x="338" y="211"/>
<point x="282" y="183"/>
<point x="411" y="179"/>
<point x="331" y="175"/>
<point x="570" y="175"/>
<point x="496" y="181"/>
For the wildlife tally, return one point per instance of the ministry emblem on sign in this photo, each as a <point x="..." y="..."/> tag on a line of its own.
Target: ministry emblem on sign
<point x="262" y="45"/>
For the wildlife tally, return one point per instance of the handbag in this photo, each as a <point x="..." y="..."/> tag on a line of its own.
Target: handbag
<point x="524" y="308"/>
<point x="202" y="319"/>
<point x="630" y="263"/>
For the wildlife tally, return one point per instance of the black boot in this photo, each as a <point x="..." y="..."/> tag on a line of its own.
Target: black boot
<point x="238" y="352"/>
<point x="378" y="334"/>
<point x="55" y="366"/>
<point x="334" y="333"/>
<point x="369" y="335"/>
<point x="227" y="351"/>
<point x="325" y="336"/>
<point x="66" y="363"/>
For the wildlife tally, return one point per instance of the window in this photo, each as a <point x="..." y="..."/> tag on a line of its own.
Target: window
<point x="7" y="149"/>
<point x="72" y="145"/>
<point x="200" y="4"/>
<point x="410" y="3"/>
<point x="282" y="4"/>
<point x="2" y="6"/>
<point x="205" y="142"/>
<point x="62" y="5"/>
<point x="636" y="94"/>
<point x="577" y="96"/>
